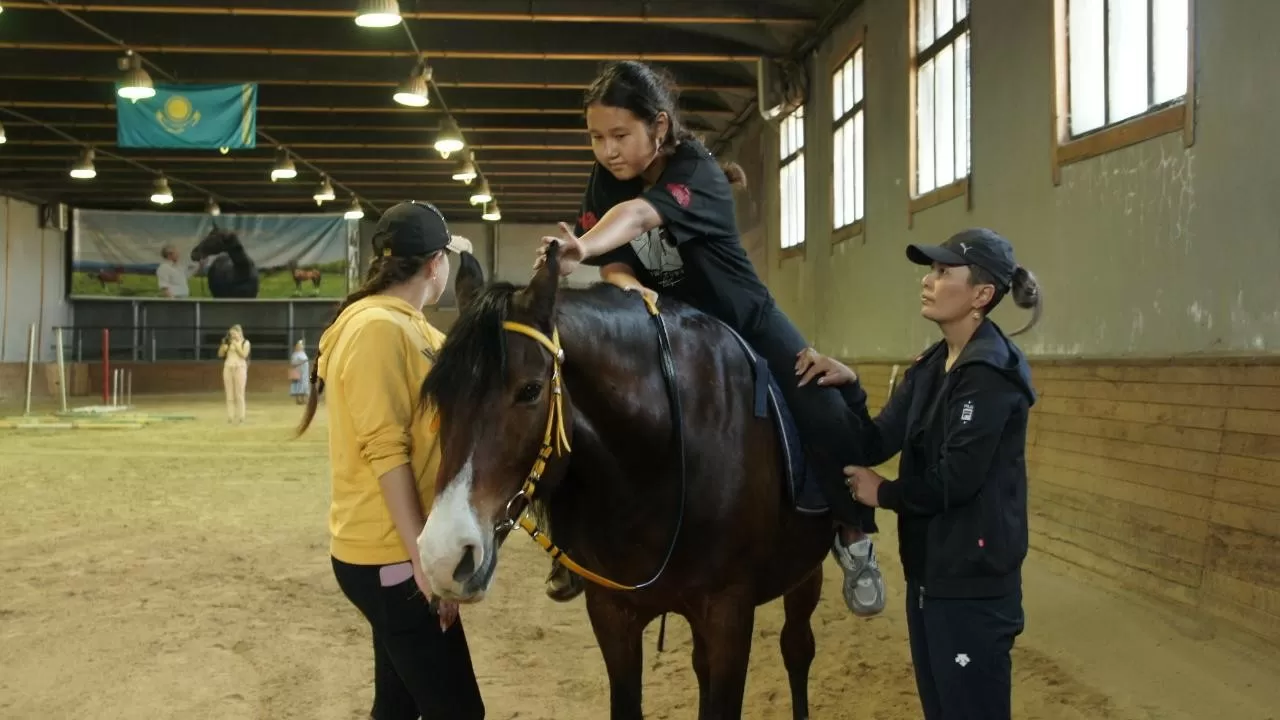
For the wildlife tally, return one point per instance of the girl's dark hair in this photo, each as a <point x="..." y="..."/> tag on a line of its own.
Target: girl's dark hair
<point x="648" y="93"/>
<point x="1025" y="290"/>
<point x="384" y="272"/>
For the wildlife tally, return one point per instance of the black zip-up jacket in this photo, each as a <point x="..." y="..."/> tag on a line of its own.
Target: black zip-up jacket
<point x="961" y="492"/>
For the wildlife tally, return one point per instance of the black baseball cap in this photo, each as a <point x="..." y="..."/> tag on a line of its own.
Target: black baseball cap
<point x="414" y="228"/>
<point x="984" y="248"/>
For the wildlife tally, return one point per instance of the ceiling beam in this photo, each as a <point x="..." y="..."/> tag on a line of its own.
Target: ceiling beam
<point x="390" y="82"/>
<point x="329" y="52"/>
<point x="74" y="105"/>
<point x="436" y="15"/>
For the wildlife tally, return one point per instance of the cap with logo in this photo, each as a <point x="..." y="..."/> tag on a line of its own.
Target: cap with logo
<point x="981" y="247"/>
<point x="413" y="229"/>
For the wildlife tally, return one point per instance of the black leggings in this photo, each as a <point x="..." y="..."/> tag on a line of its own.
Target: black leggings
<point x="828" y="428"/>
<point x="418" y="671"/>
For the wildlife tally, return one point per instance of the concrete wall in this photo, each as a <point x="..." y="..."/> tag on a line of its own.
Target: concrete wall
<point x="1155" y="249"/>
<point x="32" y="281"/>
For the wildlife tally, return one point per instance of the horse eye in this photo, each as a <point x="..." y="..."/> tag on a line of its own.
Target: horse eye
<point x="529" y="393"/>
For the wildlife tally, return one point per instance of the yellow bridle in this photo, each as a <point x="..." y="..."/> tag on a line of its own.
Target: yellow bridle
<point x="554" y="438"/>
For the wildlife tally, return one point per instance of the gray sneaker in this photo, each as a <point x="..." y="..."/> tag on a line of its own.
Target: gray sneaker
<point x="864" y="591"/>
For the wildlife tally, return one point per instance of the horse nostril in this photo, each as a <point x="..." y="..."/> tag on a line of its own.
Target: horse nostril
<point x="467" y="565"/>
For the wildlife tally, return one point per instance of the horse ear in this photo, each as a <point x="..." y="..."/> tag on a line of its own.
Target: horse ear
<point x="540" y="295"/>
<point x="469" y="283"/>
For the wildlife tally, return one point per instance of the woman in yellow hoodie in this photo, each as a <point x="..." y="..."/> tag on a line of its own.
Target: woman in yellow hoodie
<point x="384" y="456"/>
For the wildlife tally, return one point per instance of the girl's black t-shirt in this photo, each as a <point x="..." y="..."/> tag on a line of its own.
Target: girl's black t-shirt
<point x="696" y="255"/>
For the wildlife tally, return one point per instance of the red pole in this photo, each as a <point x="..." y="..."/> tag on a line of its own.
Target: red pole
<point x="106" y="366"/>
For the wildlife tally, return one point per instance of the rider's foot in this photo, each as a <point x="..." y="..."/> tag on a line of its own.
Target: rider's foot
<point x="864" y="591"/>
<point x="562" y="585"/>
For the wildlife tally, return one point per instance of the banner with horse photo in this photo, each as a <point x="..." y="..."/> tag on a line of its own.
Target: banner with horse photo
<point x="199" y="256"/>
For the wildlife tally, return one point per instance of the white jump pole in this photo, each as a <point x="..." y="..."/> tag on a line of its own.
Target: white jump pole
<point x="128" y="389"/>
<point x="31" y="365"/>
<point x="115" y="387"/>
<point x="62" y="369"/>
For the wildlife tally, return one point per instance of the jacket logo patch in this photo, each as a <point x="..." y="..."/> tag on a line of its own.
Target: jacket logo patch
<point x="966" y="412"/>
<point x="680" y="193"/>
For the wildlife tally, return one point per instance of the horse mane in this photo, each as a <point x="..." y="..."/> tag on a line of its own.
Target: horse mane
<point x="471" y="364"/>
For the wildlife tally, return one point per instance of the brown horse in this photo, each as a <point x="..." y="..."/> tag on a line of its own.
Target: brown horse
<point x="648" y="461"/>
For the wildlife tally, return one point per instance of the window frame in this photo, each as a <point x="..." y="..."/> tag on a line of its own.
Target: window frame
<point x="1169" y="117"/>
<point x="855" y="228"/>
<point x="959" y="187"/>
<point x="796" y="155"/>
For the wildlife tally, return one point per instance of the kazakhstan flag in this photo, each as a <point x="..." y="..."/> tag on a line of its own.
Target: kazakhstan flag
<point x="188" y="117"/>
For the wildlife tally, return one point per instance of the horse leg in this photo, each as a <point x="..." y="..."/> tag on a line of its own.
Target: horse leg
<point x="726" y="625"/>
<point x="701" y="668"/>
<point x="619" y="631"/>
<point x="797" y="639"/>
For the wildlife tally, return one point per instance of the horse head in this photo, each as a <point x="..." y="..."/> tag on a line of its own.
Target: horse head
<point x="217" y="241"/>
<point x="497" y="386"/>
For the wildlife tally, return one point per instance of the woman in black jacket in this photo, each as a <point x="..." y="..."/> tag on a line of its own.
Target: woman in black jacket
<point x="960" y="421"/>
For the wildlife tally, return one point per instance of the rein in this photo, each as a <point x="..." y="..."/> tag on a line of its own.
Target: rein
<point x="555" y="439"/>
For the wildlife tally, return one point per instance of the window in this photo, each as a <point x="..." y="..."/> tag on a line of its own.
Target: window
<point x="791" y="179"/>
<point x="848" y="149"/>
<point x="941" y="66"/>
<point x="1125" y="58"/>
<point x="1123" y="70"/>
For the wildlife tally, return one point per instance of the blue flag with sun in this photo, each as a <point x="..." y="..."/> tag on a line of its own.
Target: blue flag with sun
<point x="188" y="117"/>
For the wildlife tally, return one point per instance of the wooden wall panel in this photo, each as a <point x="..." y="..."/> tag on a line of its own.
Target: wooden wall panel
<point x="1162" y="475"/>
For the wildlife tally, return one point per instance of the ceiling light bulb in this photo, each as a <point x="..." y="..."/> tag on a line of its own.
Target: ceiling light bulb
<point x="449" y="140"/>
<point x="413" y="92"/>
<point x="465" y="170"/>
<point x="377" y="13"/>
<point x="161" y="194"/>
<point x="491" y="212"/>
<point x="135" y="84"/>
<point x="324" y="192"/>
<point x="83" y="168"/>
<point x="3" y="139"/>
<point x="283" y="169"/>
<point x="355" y="212"/>
<point x="481" y="194"/>
<point x="212" y="208"/>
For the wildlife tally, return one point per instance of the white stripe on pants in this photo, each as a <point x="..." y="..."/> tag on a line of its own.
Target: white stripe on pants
<point x="233" y="381"/>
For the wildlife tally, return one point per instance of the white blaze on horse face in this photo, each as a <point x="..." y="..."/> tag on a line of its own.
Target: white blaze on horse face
<point x="451" y="528"/>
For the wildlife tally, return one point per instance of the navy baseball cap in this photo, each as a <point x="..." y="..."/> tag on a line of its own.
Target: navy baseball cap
<point x="981" y="247"/>
<point x="414" y="228"/>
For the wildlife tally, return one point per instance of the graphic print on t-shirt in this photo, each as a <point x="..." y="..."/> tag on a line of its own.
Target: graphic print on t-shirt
<point x="658" y="254"/>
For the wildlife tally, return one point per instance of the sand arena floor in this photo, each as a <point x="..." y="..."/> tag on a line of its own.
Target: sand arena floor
<point x="180" y="571"/>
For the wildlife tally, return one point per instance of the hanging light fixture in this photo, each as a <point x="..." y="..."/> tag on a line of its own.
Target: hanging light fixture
<point x="414" y="91"/>
<point x="211" y="207"/>
<point x="491" y="212"/>
<point x="283" y="169"/>
<point x="83" y="168"/>
<point x="161" y="194"/>
<point x="481" y="194"/>
<point x="465" y="169"/>
<point x="449" y="139"/>
<point x="355" y="212"/>
<point x="3" y="139"/>
<point x="135" y="84"/>
<point x="377" y="13"/>
<point x="324" y="192"/>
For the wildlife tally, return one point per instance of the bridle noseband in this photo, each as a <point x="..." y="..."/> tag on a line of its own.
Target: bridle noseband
<point x="555" y="439"/>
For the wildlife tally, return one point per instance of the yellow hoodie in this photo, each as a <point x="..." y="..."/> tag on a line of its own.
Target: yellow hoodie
<point x="373" y="360"/>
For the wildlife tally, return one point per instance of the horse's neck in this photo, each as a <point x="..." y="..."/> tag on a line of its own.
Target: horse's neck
<point x="238" y="256"/>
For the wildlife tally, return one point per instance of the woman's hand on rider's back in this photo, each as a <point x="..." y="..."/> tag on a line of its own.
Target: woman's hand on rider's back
<point x="830" y="372"/>
<point x="571" y="251"/>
